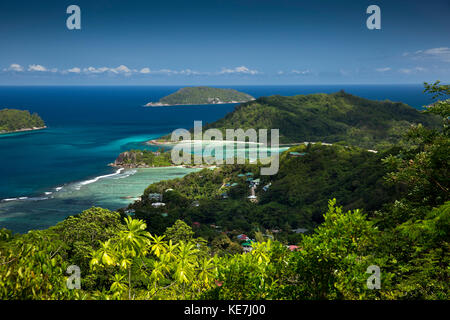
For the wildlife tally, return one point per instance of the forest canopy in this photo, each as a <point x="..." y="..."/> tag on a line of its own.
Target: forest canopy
<point x="12" y="120"/>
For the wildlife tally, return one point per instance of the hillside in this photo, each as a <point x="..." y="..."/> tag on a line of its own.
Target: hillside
<point x="296" y="198"/>
<point x="17" y="120"/>
<point x="202" y="95"/>
<point x="332" y="118"/>
<point x="287" y="253"/>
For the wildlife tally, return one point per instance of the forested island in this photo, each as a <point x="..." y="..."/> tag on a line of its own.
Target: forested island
<point x="202" y="95"/>
<point x="310" y="232"/>
<point x="13" y="120"/>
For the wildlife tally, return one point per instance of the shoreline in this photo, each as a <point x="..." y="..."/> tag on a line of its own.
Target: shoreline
<point x="132" y="166"/>
<point x="24" y="130"/>
<point x="160" y="104"/>
<point x="173" y="143"/>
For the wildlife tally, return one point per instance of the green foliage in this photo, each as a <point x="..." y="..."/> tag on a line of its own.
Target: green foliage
<point x="144" y="158"/>
<point x="405" y="232"/>
<point x="338" y="117"/>
<point x="82" y="233"/>
<point x="204" y="95"/>
<point x="12" y="119"/>
<point x="332" y="262"/>
<point x="32" y="267"/>
<point x="147" y="267"/>
<point x="424" y="168"/>
<point x="297" y="197"/>
<point x="180" y="231"/>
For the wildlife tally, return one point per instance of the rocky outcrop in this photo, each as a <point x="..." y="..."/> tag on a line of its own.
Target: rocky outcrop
<point x="126" y="159"/>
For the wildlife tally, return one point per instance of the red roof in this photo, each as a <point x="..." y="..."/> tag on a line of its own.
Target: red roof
<point x="293" y="247"/>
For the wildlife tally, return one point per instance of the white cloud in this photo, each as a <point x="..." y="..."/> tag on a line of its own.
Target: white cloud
<point x="14" y="67"/>
<point x="301" y="72"/>
<point x="37" y="67"/>
<point x="120" y="69"/>
<point x="189" y="72"/>
<point x="383" y="69"/>
<point x="124" y="70"/>
<point x="95" y="70"/>
<point x="412" y="70"/>
<point x="74" y="70"/>
<point x="241" y="69"/>
<point x="441" y="53"/>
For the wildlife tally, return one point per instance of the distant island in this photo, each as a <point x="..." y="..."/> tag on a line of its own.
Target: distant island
<point x="202" y="95"/>
<point x="13" y="120"/>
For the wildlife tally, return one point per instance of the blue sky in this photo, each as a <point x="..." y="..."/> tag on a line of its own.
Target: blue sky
<point x="223" y="42"/>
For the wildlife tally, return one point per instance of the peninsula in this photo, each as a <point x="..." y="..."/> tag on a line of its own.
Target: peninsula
<point x="333" y="118"/>
<point x="13" y="120"/>
<point x="202" y="95"/>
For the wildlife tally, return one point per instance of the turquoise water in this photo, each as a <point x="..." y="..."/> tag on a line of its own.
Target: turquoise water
<point x="111" y="191"/>
<point x="44" y="174"/>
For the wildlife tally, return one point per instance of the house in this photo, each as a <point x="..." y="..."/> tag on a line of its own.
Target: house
<point x="234" y="184"/>
<point x="247" y="246"/>
<point x="249" y="174"/>
<point x="293" y="247"/>
<point x="253" y="198"/>
<point x="167" y="190"/>
<point x="158" y="204"/>
<point x="241" y="175"/>
<point x="256" y="182"/>
<point x="130" y="211"/>
<point x="155" y="196"/>
<point x="267" y="186"/>
<point x="224" y="195"/>
<point x="299" y="230"/>
<point x="164" y="214"/>
<point x="195" y="203"/>
<point x="243" y="237"/>
<point x="196" y="224"/>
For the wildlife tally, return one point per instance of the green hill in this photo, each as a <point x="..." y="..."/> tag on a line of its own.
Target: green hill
<point x="16" y="120"/>
<point x="297" y="195"/>
<point x="203" y="95"/>
<point x="332" y="118"/>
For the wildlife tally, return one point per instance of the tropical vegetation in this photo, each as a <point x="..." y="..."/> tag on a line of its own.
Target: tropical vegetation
<point x="394" y="215"/>
<point x="13" y="120"/>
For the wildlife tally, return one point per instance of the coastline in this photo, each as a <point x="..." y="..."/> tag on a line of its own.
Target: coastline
<point x="24" y="130"/>
<point x="222" y="142"/>
<point x="144" y="166"/>
<point x="160" y="104"/>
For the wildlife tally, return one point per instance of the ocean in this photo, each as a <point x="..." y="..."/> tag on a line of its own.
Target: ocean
<point x="49" y="174"/>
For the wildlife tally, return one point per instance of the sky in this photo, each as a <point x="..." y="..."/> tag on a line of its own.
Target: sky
<point x="218" y="42"/>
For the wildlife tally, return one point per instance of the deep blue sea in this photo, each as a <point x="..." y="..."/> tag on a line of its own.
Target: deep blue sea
<point x="49" y="174"/>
